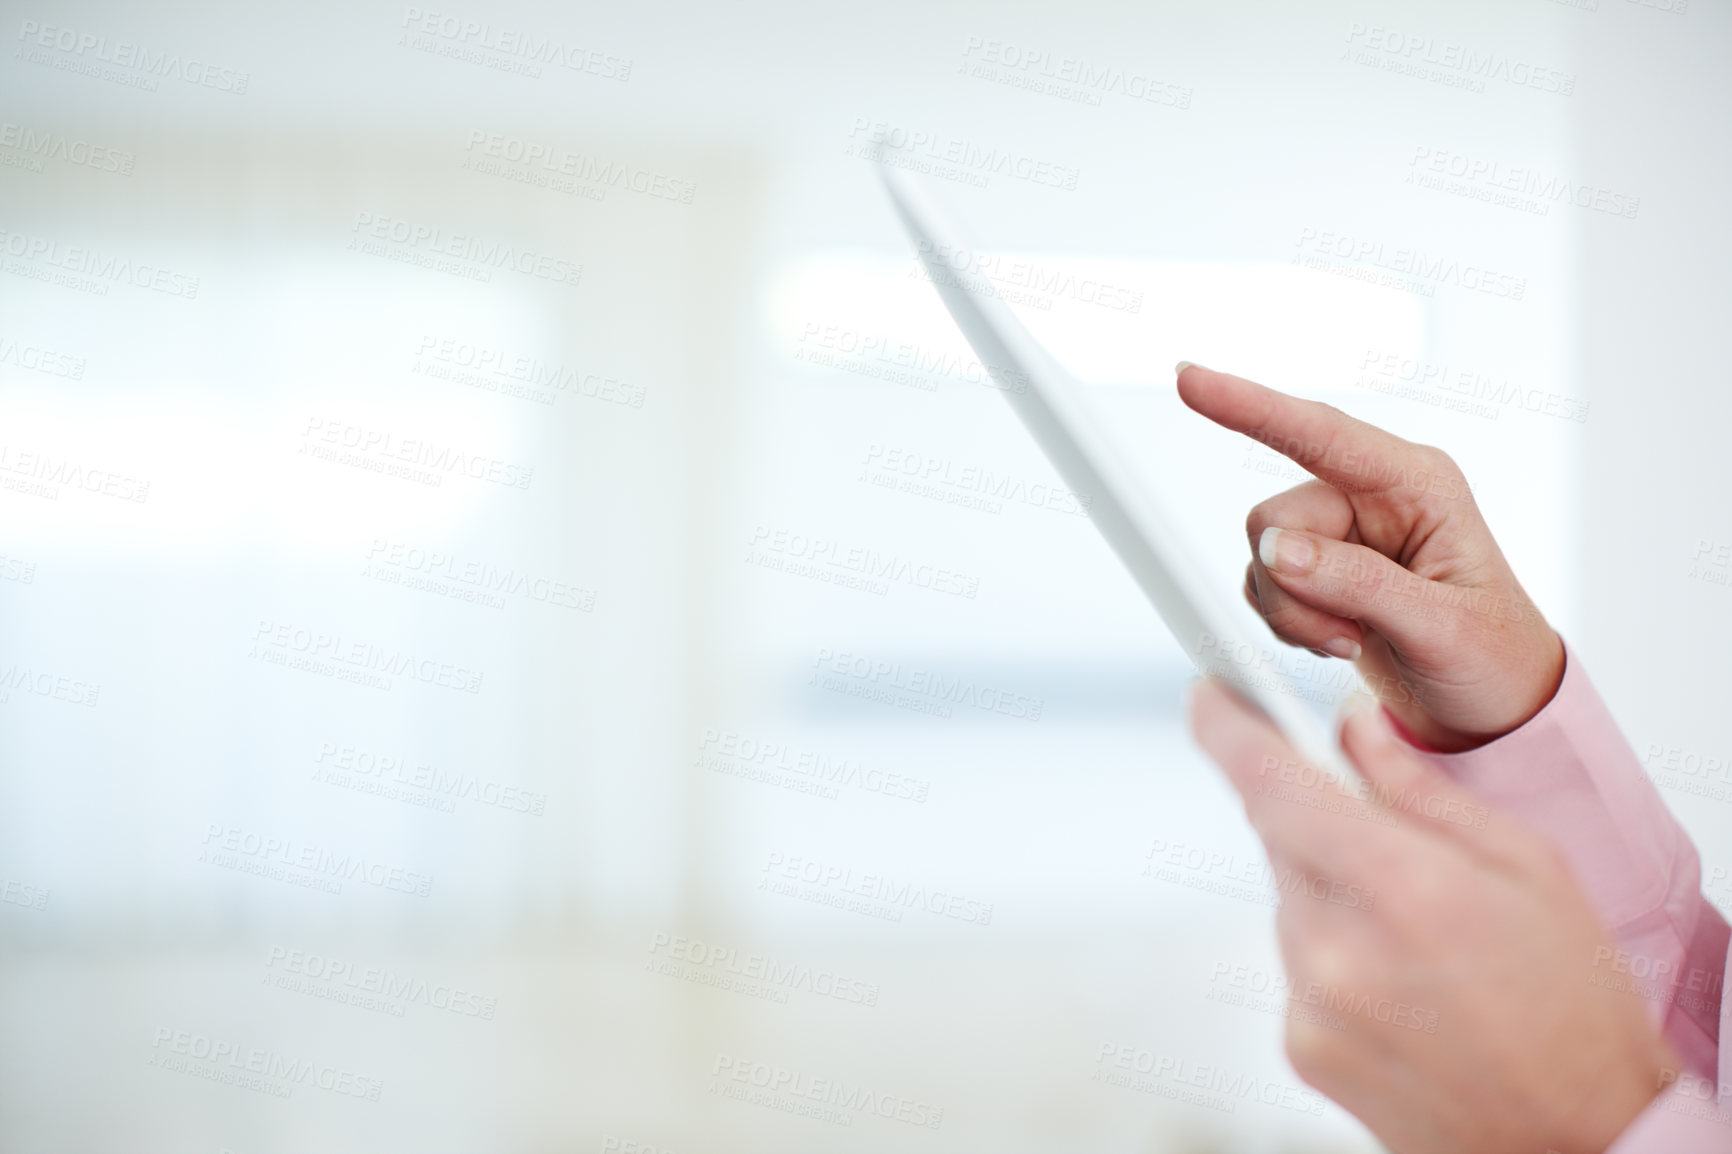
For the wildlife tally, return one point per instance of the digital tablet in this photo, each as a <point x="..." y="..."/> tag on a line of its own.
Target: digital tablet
<point x="1221" y="639"/>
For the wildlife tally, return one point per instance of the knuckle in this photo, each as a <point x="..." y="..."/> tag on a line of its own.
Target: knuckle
<point x="1426" y="897"/>
<point x="1439" y="461"/>
<point x="1258" y="519"/>
<point x="1312" y="1051"/>
<point x="1273" y="511"/>
<point x="1411" y="882"/>
<point x="1288" y="620"/>
<point x="1329" y="964"/>
<point x="1444" y="482"/>
<point x="1334" y="416"/>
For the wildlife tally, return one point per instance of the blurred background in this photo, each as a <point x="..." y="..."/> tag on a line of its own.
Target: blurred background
<point x="524" y="628"/>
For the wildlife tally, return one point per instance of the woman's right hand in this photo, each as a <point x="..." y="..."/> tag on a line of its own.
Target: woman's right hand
<point x="1385" y="560"/>
<point x="1473" y="1006"/>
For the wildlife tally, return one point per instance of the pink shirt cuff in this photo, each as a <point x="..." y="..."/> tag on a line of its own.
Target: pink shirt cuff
<point x="1684" y="1120"/>
<point x="1569" y="774"/>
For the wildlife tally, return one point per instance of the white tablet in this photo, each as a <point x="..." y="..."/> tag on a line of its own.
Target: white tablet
<point x="1221" y="638"/>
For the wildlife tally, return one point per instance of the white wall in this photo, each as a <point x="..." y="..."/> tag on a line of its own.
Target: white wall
<point x="1207" y="208"/>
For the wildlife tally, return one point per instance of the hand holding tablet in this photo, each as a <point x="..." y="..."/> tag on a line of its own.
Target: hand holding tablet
<point x="1471" y="1014"/>
<point x="1383" y="560"/>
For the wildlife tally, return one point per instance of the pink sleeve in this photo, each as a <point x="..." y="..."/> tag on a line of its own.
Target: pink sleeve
<point x="1570" y="774"/>
<point x="1684" y="1120"/>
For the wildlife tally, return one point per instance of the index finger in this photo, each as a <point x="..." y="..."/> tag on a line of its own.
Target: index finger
<point x="1333" y="447"/>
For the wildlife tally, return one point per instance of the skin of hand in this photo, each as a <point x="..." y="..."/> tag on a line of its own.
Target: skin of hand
<point x="1385" y="560"/>
<point x="1473" y="1019"/>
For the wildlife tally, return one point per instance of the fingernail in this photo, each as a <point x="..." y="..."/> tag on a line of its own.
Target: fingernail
<point x="1188" y="695"/>
<point x="1343" y="647"/>
<point x="1182" y="366"/>
<point x="1285" y="552"/>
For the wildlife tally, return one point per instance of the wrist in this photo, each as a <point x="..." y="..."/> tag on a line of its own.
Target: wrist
<point x="1509" y="702"/>
<point x="1533" y="692"/>
<point x="1609" y="1108"/>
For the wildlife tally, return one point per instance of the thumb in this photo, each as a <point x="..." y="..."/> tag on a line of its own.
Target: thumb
<point x="1399" y="780"/>
<point x="1359" y="583"/>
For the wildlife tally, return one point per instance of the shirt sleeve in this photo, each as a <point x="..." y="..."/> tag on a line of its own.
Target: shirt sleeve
<point x="1686" y="1119"/>
<point x="1569" y="774"/>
